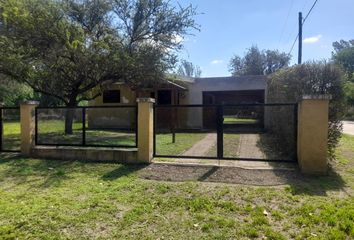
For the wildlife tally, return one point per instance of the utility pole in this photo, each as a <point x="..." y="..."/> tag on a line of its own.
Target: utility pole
<point x="300" y="38"/>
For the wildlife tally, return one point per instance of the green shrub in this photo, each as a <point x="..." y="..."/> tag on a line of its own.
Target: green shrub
<point x="312" y="78"/>
<point x="12" y="93"/>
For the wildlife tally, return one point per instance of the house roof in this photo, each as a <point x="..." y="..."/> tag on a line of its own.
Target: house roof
<point x="233" y="78"/>
<point x="251" y="82"/>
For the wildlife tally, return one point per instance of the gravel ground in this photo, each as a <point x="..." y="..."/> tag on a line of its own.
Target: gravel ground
<point x="180" y="173"/>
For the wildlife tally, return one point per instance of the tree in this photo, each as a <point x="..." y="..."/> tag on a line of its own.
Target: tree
<point x="66" y="48"/>
<point x="150" y="29"/>
<point x="343" y="55"/>
<point x="188" y="69"/>
<point x="12" y="92"/>
<point x="256" y="62"/>
<point x="276" y="60"/>
<point x="342" y="44"/>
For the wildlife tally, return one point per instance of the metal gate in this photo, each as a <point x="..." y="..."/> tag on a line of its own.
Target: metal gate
<point x="254" y="132"/>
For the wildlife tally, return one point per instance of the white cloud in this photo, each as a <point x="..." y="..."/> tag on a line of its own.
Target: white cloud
<point x="178" y="39"/>
<point x="216" y="61"/>
<point x="313" y="39"/>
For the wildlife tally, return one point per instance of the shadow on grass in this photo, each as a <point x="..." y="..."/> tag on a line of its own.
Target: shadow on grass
<point x="317" y="185"/>
<point x="295" y="182"/>
<point x="24" y="171"/>
<point x="122" y="171"/>
<point x="47" y="173"/>
<point x="11" y="142"/>
<point x="300" y="183"/>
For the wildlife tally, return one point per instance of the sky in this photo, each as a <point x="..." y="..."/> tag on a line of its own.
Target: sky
<point x="229" y="27"/>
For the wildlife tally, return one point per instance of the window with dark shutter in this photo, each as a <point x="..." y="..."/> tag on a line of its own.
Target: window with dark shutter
<point x="111" y="96"/>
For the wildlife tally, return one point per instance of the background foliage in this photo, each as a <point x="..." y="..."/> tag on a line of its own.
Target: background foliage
<point x="258" y="62"/>
<point x="311" y="78"/>
<point x="343" y="56"/>
<point x="12" y="93"/>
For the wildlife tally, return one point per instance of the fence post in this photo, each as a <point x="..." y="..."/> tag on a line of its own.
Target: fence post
<point x="145" y="129"/>
<point x="220" y="132"/>
<point x="312" y="139"/>
<point x="27" y="112"/>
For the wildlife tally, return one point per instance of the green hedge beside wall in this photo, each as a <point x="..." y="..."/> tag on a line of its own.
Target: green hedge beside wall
<point x="311" y="78"/>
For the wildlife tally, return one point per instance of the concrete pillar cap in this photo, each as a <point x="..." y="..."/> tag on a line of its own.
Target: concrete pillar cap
<point x="317" y="97"/>
<point x="145" y="100"/>
<point x="30" y="102"/>
<point x="2" y="104"/>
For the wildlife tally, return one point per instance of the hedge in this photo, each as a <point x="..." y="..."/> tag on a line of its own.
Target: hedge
<point x="311" y="78"/>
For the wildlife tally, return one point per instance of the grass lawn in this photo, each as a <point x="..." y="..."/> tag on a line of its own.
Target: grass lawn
<point x="235" y="120"/>
<point x="184" y="141"/>
<point x="52" y="132"/>
<point x="42" y="199"/>
<point x="11" y="138"/>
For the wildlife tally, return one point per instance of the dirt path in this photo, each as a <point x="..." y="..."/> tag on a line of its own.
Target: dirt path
<point x="248" y="146"/>
<point x="348" y="127"/>
<point x="202" y="147"/>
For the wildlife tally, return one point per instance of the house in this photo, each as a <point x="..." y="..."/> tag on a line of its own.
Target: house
<point x="184" y="91"/>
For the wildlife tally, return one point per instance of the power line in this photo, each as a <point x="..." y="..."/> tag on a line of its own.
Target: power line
<point x="295" y="25"/>
<point x="307" y="15"/>
<point x="286" y="20"/>
<point x="292" y="47"/>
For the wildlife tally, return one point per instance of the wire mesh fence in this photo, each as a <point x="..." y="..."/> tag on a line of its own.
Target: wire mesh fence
<point x="266" y="132"/>
<point x="179" y="129"/>
<point x="114" y="126"/>
<point x="239" y="132"/>
<point x="10" y="129"/>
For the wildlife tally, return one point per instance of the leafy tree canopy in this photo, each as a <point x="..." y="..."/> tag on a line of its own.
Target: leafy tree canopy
<point x="12" y="93"/>
<point x="257" y="62"/>
<point x="65" y="48"/>
<point x="343" y="55"/>
<point x="188" y="69"/>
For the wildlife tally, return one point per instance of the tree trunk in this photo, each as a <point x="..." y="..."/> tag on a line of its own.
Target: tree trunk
<point x="69" y="118"/>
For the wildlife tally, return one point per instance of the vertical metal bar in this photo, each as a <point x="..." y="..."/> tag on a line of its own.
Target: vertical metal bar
<point x="1" y="129"/>
<point x="84" y="126"/>
<point x="219" y="128"/>
<point x="36" y="126"/>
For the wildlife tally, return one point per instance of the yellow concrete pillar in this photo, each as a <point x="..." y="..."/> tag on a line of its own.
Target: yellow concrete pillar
<point x="312" y="138"/>
<point x="145" y="129"/>
<point x="27" y="112"/>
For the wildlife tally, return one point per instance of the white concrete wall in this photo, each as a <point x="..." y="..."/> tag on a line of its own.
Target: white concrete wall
<point x="196" y="89"/>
